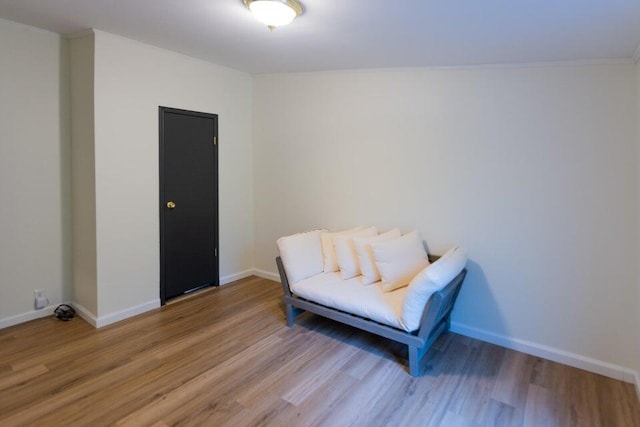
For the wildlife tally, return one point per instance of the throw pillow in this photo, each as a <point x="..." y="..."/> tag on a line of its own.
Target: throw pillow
<point x="301" y="255"/>
<point x="346" y="252"/>
<point x="399" y="260"/>
<point x="330" y="261"/>
<point x="370" y="273"/>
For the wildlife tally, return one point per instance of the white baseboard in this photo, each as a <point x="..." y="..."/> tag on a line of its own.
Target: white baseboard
<point x="87" y="315"/>
<point x="250" y="272"/>
<point x="237" y="276"/>
<point x="25" y="317"/>
<point x="129" y="312"/>
<point x="99" y="322"/>
<point x="638" y="384"/>
<point x="577" y="361"/>
<point x="266" y="274"/>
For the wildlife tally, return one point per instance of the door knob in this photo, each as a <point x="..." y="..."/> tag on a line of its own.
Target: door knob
<point x="171" y="205"/>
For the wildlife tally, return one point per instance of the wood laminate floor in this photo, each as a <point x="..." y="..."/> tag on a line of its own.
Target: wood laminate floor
<point x="225" y="358"/>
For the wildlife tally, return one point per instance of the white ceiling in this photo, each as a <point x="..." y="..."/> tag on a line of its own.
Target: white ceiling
<point x="348" y="34"/>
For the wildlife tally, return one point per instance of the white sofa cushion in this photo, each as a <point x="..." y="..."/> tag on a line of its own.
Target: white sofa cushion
<point x="301" y="255"/>
<point x="330" y="261"/>
<point x="399" y="260"/>
<point x="353" y="297"/>
<point x="431" y="279"/>
<point x="362" y="245"/>
<point x="346" y="252"/>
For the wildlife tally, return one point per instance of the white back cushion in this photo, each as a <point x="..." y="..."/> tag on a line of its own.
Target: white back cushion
<point x="330" y="261"/>
<point x="362" y="245"/>
<point x="301" y="255"/>
<point x="346" y="252"/>
<point x="399" y="260"/>
<point x="431" y="279"/>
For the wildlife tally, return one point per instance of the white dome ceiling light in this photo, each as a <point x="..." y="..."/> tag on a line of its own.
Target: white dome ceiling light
<point x="274" y="13"/>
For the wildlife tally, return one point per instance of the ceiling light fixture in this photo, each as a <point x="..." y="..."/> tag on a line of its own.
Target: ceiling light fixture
<point x="274" y="13"/>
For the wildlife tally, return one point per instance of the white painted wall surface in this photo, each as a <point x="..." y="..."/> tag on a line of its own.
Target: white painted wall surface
<point x="131" y="81"/>
<point x="532" y="169"/>
<point x="34" y="176"/>
<point x="85" y="287"/>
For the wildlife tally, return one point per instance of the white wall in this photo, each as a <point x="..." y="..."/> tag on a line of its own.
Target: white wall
<point x="34" y="177"/>
<point x="131" y="81"/>
<point x="85" y="276"/>
<point x="532" y="169"/>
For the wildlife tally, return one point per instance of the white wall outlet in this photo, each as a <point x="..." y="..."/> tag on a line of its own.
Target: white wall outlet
<point x="40" y="299"/>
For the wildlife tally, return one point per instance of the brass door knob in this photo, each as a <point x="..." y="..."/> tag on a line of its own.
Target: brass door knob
<point x="171" y="205"/>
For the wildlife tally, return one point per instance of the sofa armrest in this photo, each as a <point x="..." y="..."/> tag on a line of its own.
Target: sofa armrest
<point x="283" y="277"/>
<point x="438" y="310"/>
<point x="428" y="286"/>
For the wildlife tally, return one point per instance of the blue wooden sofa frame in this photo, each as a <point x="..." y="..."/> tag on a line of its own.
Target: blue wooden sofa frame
<point x="436" y="318"/>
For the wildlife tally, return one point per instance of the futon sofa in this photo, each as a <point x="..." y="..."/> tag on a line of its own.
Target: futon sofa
<point x="414" y="311"/>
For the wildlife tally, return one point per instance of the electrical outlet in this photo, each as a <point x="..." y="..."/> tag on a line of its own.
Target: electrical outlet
<point x="40" y="299"/>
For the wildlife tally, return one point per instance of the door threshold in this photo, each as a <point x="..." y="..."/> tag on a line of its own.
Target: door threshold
<point x="190" y="294"/>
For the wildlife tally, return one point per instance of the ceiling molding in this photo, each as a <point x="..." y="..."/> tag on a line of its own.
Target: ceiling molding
<point x="514" y="65"/>
<point x="543" y="64"/>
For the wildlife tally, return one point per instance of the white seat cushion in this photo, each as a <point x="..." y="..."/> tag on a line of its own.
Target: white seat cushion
<point x="353" y="297"/>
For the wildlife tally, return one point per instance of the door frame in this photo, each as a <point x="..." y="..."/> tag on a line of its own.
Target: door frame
<point x="161" y="157"/>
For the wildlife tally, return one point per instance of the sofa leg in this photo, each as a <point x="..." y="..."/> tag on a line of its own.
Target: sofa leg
<point x="291" y="314"/>
<point x="414" y="361"/>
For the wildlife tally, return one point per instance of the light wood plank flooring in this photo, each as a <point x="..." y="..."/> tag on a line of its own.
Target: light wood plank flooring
<point x="225" y="358"/>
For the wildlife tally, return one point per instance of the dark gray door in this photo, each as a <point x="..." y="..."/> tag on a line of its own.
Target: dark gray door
<point x="188" y="201"/>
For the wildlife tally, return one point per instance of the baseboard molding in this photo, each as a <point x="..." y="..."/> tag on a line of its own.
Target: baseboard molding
<point x="25" y="317"/>
<point x="87" y="315"/>
<point x="101" y="321"/>
<point x="638" y="384"/>
<point x="129" y="312"/>
<point x="266" y="274"/>
<point x="250" y="272"/>
<point x="237" y="276"/>
<point x="571" y="359"/>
